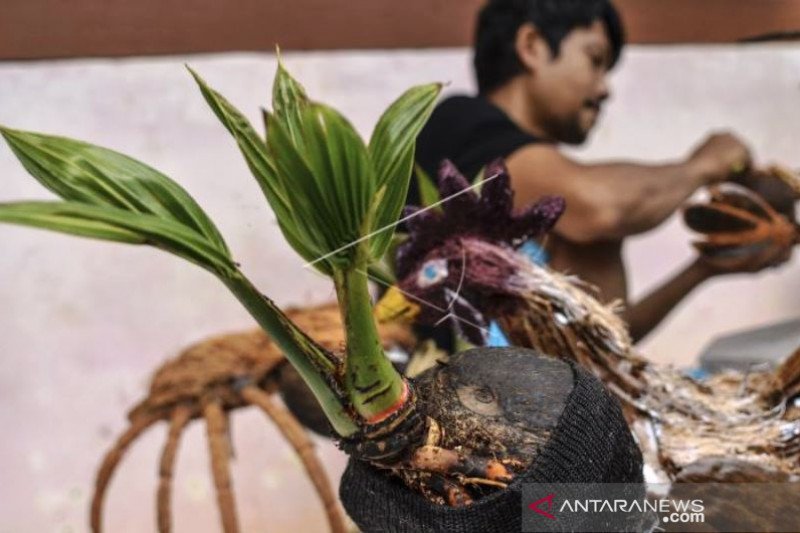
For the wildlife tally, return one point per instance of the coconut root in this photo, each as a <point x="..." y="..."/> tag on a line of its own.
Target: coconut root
<point x="180" y="417"/>
<point x="299" y="440"/>
<point x="138" y="426"/>
<point x="444" y="461"/>
<point x="219" y="449"/>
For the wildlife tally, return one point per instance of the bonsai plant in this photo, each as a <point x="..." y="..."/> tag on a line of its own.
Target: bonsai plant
<point x="463" y="432"/>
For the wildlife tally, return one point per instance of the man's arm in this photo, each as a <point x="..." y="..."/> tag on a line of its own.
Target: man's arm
<point x="643" y="316"/>
<point x="608" y="202"/>
<point x="614" y="200"/>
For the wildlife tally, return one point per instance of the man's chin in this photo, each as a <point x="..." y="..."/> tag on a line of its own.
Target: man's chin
<point x="573" y="132"/>
<point x="574" y="137"/>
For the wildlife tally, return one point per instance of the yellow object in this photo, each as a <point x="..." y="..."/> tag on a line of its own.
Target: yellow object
<point x="394" y="306"/>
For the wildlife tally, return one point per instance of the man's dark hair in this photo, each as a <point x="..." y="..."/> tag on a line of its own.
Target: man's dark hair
<point x="496" y="59"/>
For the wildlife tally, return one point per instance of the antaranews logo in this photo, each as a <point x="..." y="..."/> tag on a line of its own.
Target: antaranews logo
<point x="552" y="507"/>
<point x="538" y="504"/>
<point x="600" y="507"/>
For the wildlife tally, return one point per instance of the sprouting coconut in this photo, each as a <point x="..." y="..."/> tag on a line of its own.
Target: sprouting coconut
<point x="463" y="434"/>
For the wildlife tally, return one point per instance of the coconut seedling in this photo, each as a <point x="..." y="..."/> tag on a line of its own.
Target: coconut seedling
<point x="336" y="200"/>
<point x="330" y="193"/>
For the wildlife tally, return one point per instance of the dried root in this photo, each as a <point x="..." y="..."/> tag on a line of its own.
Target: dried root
<point x="138" y="426"/>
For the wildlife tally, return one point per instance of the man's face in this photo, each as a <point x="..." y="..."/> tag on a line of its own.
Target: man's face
<point x="567" y="91"/>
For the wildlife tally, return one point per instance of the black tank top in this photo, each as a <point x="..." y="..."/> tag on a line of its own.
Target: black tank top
<point x="471" y="132"/>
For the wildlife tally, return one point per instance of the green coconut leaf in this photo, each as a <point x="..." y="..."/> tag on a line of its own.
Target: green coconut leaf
<point x="113" y="224"/>
<point x="354" y="194"/>
<point x="318" y="153"/>
<point x="383" y="271"/>
<point x="51" y="216"/>
<point x="120" y="225"/>
<point x="256" y="154"/>
<point x="391" y="150"/>
<point x="428" y="192"/>
<point x="88" y="174"/>
<point x="339" y="161"/>
<point x="334" y="198"/>
<point x="253" y="148"/>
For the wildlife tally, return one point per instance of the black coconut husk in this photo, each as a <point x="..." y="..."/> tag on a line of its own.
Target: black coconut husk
<point x="550" y="408"/>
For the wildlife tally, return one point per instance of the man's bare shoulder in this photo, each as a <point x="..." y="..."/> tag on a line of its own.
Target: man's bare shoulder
<point x="539" y="159"/>
<point x="539" y="169"/>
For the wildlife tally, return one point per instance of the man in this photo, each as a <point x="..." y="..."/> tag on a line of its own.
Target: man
<point x="541" y="67"/>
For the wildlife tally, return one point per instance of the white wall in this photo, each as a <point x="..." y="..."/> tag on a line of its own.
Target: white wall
<point x="83" y="323"/>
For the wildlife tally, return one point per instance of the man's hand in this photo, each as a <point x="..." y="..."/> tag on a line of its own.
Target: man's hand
<point x="776" y="185"/>
<point x="721" y="156"/>
<point x="745" y="260"/>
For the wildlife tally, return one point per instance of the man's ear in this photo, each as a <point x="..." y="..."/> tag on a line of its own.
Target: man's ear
<point x="532" y="49"/>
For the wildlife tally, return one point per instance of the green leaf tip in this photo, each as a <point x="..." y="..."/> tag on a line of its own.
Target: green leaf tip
<point x="9" y="134"/>
<point x="357" y="199"/>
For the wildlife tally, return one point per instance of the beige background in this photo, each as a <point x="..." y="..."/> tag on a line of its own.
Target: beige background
<point x="82" y="323"/>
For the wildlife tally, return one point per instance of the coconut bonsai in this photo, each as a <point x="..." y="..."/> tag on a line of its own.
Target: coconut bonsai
<point x="465" y="434"/>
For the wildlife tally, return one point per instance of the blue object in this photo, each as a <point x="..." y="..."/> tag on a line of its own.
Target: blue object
<point x="697" y="373"/>
<point x="535" y="253"/>
<point x="497" y="338"/>
<point x="430" y="272"/>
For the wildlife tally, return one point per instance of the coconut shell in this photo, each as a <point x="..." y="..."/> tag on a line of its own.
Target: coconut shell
<point x="738" y="226"/>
